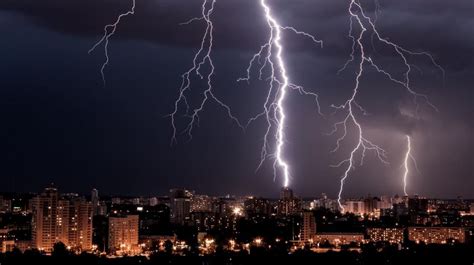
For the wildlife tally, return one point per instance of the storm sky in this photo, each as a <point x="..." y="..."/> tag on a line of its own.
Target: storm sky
<point x="59" y="124"/>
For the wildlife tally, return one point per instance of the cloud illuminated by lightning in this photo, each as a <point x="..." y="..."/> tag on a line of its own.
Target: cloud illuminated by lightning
<point x="365" y="23"/>
<point x="201" y="58"/>
<point x="109" y="31"/>
<point x="273" y="112"/>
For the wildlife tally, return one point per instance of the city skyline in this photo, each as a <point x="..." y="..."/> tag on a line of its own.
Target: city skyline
<point x="52" y="224"/>
<point x="275" y="196"/>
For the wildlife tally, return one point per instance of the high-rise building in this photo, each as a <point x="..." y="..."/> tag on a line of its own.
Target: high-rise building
<point x="385" y="203"/>
<point x="79" y="224"/>
<point x="257" y="206"/>
<point x="123" y="233"/>
<point x="286" y="193"/>
<point x="288" y="204"/>
<point x="201" y="203"/>
<point x="61" y="220"/>
<point x="308" y="230"/>
<point x="102" y="209"/>
<point x="95" y="201"/>
<point x="355" y="207"/>
<point x="418" y="210"/>
<point x="370" y="204"/>
<point x="180" y="200"/>
<point x="49" y="219"/>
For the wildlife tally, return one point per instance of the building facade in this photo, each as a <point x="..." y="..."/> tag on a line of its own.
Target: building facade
<point x="436" y="235"/>
<point x="308" y="229"/>
<point x="61" y="220"/>
<point x="123" y="233"/>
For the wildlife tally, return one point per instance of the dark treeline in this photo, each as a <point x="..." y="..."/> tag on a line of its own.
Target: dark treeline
<point x="433" y="254"/>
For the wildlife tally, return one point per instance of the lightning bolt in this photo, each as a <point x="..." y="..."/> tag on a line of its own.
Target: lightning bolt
<point x="201" y="59"/>
<point x="365" y="23"/>
<point x="408" y="156"/>
<point x="109" y="31"/>
<point x="279" y="84"/>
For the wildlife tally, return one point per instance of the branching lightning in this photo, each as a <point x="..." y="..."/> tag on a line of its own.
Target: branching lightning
<point x="201" y="58"/>
<point x="279" y="84"/>
<point x="269" y="60"/>
<point x="365" y="23"/>
<point x="109" y="31"/>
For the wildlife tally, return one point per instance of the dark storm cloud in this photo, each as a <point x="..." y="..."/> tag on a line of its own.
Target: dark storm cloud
<point x="58" y="126"/>
<point x="437" y="27"/>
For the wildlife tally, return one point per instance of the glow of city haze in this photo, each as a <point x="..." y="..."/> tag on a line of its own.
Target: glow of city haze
<point x="109" y="31"/>
<point x="365" y="23"/>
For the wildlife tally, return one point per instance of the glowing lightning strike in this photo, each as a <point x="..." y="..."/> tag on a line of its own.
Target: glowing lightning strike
<point x="109" y="31"/>
<point x="408" y="156"/>
<point x="405" y="174"/>
<point x="201" y="58"/>
<point x="365" y="23"/>
<point x="274" y="109"/>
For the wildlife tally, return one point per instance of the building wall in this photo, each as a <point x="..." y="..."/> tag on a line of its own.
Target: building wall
<point x="436" y="235"/>
<point x="393" y="235"/>
<point x="339" y="238"/>
<point x="123" y="233"/>
<point x="60" y="220"/>
<point x="308" y="230"/>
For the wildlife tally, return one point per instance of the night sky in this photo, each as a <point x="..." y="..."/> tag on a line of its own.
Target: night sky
<point x="59" y="124"/>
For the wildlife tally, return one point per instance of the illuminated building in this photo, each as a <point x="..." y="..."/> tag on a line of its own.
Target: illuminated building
<point x="7" y="242"/>
<point x="203" y="221"/>
<point x="7" y="245"/>
<point x="355" y="207"/>
<point x="338" y="239"/>
<point x="392" y="235"/>
<point x="370" y="204"/>
<point x="436" y="235"/>
<point x="49" y="220"/>
<point x="61" y="220"/>
<point x="123" y="233"/>
<point x="79" y="224"/>
<point x="385" y="203"/>
<point x="201" y="203"/>
<point x="308" y="230"/>
<point x="288" y="204"/>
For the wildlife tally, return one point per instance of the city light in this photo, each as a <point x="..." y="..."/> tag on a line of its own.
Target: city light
<point x="237" y="211"/>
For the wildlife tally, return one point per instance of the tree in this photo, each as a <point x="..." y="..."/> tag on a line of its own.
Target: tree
<point x="168" y="247"/>
<point x="60" y="250"/>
